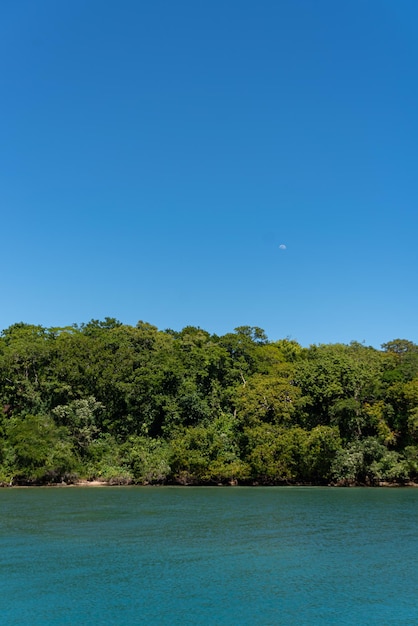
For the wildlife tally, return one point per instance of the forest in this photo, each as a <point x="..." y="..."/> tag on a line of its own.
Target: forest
<point x="137" y="405"/>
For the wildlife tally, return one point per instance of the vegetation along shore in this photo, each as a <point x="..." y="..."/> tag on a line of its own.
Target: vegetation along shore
<point x="118" y="404"/>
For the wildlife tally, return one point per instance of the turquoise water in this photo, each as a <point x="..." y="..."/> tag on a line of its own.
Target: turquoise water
<point x="277" y="555"/>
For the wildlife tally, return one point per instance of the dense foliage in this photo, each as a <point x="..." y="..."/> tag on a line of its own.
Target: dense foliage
<point x="136" y="404"/>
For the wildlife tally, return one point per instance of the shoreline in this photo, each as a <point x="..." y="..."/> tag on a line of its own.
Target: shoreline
<point x="105" y="483"/>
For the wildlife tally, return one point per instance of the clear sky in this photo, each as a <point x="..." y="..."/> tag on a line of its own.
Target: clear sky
<point x="156" y="155"/>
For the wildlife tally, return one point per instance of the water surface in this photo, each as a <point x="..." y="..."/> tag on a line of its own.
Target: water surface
<point x="177" y="555"/>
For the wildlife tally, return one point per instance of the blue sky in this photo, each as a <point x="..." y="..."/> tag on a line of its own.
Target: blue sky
<point x="155" y="155"/>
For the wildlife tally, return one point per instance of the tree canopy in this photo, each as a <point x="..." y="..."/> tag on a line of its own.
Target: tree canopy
<point x="135" y="404"/>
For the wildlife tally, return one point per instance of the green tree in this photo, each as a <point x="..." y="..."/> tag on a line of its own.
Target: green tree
<point x="273" y="453"/>
<point x="80" y="419"/>
<point x="337" y="381"/>
<point x="268" y="398"/>
<point x="401" y="361"/>
<point x="208" y="453"/>
<point x="148" y="459"/>
<point x="320" y="449"/>
<point x="38" y="449"/>
<point x="368" y="462"/>
<point x="24" y="357"/>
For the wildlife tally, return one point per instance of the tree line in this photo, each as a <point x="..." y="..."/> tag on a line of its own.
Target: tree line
<point x="135" y="404"/>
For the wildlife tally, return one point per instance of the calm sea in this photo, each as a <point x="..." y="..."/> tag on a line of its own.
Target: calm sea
<point x="171" y="555"/>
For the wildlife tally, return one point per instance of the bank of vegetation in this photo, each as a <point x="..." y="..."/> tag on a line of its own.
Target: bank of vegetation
<point x="123" y="404"/>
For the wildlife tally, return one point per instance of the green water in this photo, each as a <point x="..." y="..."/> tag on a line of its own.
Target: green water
<point x="131" y="555"/>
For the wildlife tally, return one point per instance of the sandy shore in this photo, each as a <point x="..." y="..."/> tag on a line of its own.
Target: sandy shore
<point x="90" y="483"/>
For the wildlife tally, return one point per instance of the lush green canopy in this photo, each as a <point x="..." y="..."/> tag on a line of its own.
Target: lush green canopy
<point x="137" y="404"/>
